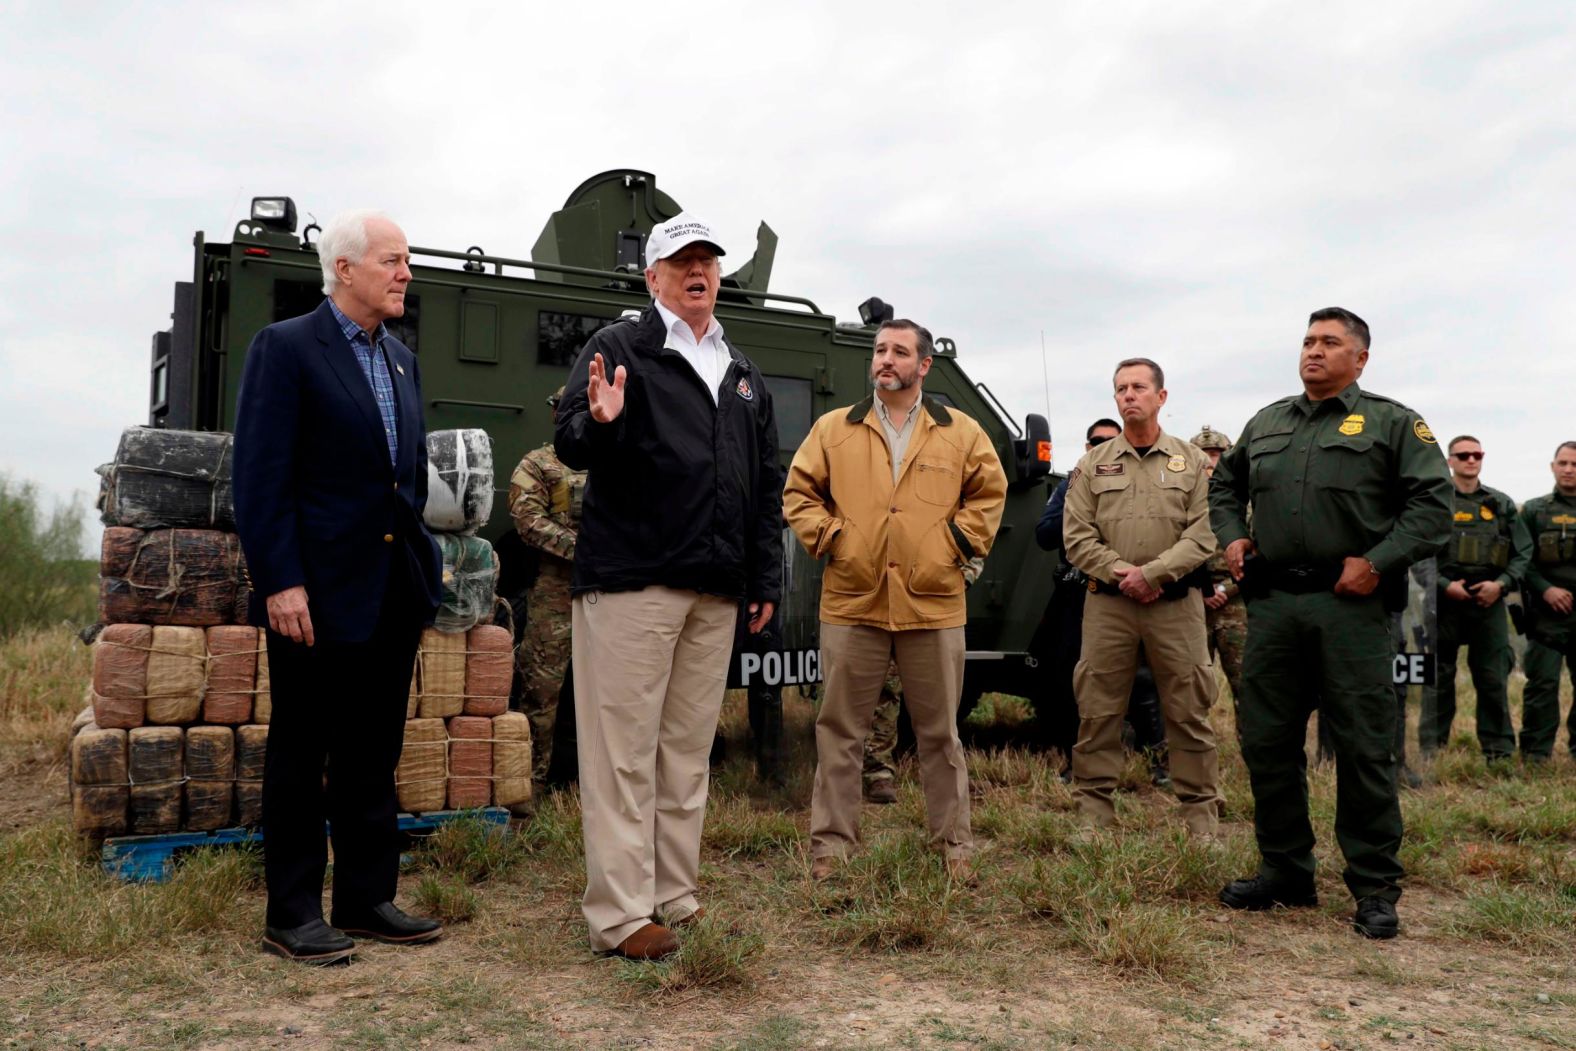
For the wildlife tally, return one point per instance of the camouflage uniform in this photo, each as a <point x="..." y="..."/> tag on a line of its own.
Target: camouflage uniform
<point x="544" y="501"/>
<point x="881" y="745"/>
<point x="1228" y="625"/>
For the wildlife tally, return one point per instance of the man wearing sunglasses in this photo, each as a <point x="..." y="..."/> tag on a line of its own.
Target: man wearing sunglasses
<point x="1476" y="570"/>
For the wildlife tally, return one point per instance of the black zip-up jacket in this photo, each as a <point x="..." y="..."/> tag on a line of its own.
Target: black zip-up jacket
<point x="679" y="493"/>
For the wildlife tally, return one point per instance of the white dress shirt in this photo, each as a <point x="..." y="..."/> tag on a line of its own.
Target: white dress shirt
<point x="708" y="356"/>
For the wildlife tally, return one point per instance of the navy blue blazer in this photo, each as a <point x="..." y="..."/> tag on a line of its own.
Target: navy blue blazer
<point x="317" y="502"/>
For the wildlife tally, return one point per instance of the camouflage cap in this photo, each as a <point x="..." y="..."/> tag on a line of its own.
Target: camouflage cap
<point x="1209" y="438"/>
<point x="554" y="398"/>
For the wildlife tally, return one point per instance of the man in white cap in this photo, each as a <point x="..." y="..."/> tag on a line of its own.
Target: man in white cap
<point x="680" y="528"/>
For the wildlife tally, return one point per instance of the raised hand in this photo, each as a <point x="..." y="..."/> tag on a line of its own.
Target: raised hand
<point x="606" y="398"/>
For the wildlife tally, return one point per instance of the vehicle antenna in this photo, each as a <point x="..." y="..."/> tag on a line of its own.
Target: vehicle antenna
<point x="1045" y="370"/>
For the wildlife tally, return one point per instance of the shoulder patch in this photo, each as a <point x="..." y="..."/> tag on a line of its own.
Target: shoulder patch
<point x="1420" y="429"/>
<point x="1073" y="478"/>
<point x="1108" y="468"/>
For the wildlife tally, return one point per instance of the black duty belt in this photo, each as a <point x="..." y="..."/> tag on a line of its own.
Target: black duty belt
<point x="1169" y="592"/>
<point x="1299" y="578"/>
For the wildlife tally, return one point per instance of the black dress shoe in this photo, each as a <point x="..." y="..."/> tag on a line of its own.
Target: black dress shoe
<point x="315" y="942"/>
<point x="386" y="923"/>
<point x="1260" y="892"/>
<point x="1376" y="918"/>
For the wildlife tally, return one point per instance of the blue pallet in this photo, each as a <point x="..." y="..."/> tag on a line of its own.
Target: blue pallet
<point x="151" y="859"/>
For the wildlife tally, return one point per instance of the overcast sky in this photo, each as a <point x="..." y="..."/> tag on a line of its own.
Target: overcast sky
<point x="1180" y="180"/>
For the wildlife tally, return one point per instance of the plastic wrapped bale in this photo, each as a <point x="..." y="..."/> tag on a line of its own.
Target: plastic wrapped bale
<point x="469" y="577"/>
<point x="459" y="480"/>
<point x="84" y="718"/>
<point x="442" y="659"/>
<point x="99" y="782"/>
<point x="470" y="762"/>
<point x="232" y="674"/>
<point x="154" y="767"/>
<point x="176" y="663"/>
<point x="421" y="779"/>
<point x="263" y="698"/>
<point x="511" y="759"/>
<point x="162" y="478"/>
<point x="120" y="675"/>
<point x="489" y="668"/>
<point x="251" y="748"/>
<point x="210" y="777"/>
<point x="169" y="576"/>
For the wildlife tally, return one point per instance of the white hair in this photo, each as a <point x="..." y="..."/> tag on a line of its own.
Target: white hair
<point x="345" y="237"/>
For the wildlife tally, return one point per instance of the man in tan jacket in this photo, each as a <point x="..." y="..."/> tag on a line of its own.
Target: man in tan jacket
<point x="1137" y="524"/>
<point x="901" y="493"/>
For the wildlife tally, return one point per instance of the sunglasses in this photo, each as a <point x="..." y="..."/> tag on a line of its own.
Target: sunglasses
<point x="1467" y="456"/>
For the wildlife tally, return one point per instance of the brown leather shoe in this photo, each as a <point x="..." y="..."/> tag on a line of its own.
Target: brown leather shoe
<point x="823" y="868"/>
<point x="883" y="792"/>
<point x="651" y="942"/>
<point x="961" y="871"/>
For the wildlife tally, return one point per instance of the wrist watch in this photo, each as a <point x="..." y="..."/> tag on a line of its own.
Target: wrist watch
<point x="1373" y="569"/>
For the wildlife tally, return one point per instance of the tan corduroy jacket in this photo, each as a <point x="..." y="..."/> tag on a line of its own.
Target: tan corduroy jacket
<point x="897" y="552"/>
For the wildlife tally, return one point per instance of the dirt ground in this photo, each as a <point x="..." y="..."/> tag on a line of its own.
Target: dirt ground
<point x="525" y="979"/>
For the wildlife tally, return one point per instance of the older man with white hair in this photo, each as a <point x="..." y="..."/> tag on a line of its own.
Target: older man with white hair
<point x="330" y="482"/>
<point x="681" y="525"/>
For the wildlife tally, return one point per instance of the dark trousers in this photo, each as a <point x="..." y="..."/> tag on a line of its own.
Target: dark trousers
<point x="1319" y="650"/>
<point x="1486" y="635"/>
<point x="337" y="731"/>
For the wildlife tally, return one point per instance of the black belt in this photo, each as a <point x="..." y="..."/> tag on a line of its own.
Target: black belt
<point x="1300" y="578"/>
<point x="1168" y="592"/>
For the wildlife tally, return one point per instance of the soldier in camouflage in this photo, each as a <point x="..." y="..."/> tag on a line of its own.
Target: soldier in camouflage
<point x="880" y="770"/>
<point x="1225" y="615"/>
<point x="544" y="501"/>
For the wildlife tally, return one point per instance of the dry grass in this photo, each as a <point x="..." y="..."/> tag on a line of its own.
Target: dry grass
<point x="1114" y="943"/>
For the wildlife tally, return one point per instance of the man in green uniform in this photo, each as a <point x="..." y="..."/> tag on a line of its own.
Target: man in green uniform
<point x="1476" y="570"/>
<point x="544" y="501"/>
<point x="1546" y="534"/>
<point x="1225" y="614"/>
<point x="1346" y="490"/>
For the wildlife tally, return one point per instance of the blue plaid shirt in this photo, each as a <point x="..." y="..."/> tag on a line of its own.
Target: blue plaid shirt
<point x="375" y="368"/>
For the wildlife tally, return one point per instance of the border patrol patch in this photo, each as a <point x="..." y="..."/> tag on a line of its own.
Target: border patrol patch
<point x="1420" y="429"/>
<point x="1072" y="478"/>
<point x="1109" y="468"/>
<point x="744" y="390"/>
<point x="1353" y="424"/>
<point x="1488" y="516"/>
<point x="1463" y="516"/>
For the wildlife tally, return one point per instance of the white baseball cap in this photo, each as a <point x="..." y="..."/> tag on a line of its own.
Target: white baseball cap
<point x="681" y="230"/>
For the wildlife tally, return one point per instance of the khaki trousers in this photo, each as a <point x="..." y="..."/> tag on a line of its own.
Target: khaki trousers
<point x="854" y="663"/>
<point x="1175" y="640"/>
<point x="650" y="669"/>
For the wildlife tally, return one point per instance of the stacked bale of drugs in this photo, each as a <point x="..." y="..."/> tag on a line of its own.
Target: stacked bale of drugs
<point x="162" y="479"/>
<point x="193" y="577"/>
<point x="459" y="502"/>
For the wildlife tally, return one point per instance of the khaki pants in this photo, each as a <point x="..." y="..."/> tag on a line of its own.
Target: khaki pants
<point x="1175" y="641"/>
<point x="650" y="668"/>
<point x="854" y="662"/>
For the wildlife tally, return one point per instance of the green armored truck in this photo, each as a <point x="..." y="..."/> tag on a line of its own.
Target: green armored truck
<point x="496" y="336"/>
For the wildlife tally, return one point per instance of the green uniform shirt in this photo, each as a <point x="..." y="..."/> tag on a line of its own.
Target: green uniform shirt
<point x="1546" y="538"/>
<point x="1482" y="540"/>
<point x="1354" y="475"/>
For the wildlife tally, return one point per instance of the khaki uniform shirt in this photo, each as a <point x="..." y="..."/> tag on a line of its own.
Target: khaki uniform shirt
<point x="1153" y="512"/>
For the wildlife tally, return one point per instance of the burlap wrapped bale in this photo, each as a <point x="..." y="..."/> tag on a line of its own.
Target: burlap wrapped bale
<point x="120" y="675"/>
<point x="263" y="698"/>
<point x="442" y="659"/>
<point x="210" y="777"/>
<point x="459" y="480"/>
<point x="470" y="762"/>
<point x="511" y="759"/>
<point x="232" y="674"/>
<point x="413" y="698"/>
<point x="251" y="746"/>
<point x="154" y="765"/>
<point x="470" y="575"/>
<point x="84" y="718"/>
<point x="421" y="777"/>
<point x="169" y="576"/>
<point x="489" y="667"/>
<point x="176" y="663"/>
<point x="163" y="478"/>
<point x="100" y="796"/>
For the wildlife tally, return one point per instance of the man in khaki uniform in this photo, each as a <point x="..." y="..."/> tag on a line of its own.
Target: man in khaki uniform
<point x="900" y="492"/>
<point x="1138" y="526"/>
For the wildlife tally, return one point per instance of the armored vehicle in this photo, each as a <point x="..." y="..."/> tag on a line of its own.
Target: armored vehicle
<point x="497" y="335"/>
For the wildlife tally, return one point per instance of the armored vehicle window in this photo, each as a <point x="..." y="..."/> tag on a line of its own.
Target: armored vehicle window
<point x="294" y="298"/>
<point x="559" y="337"/>
<point x="794" y="408"/>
